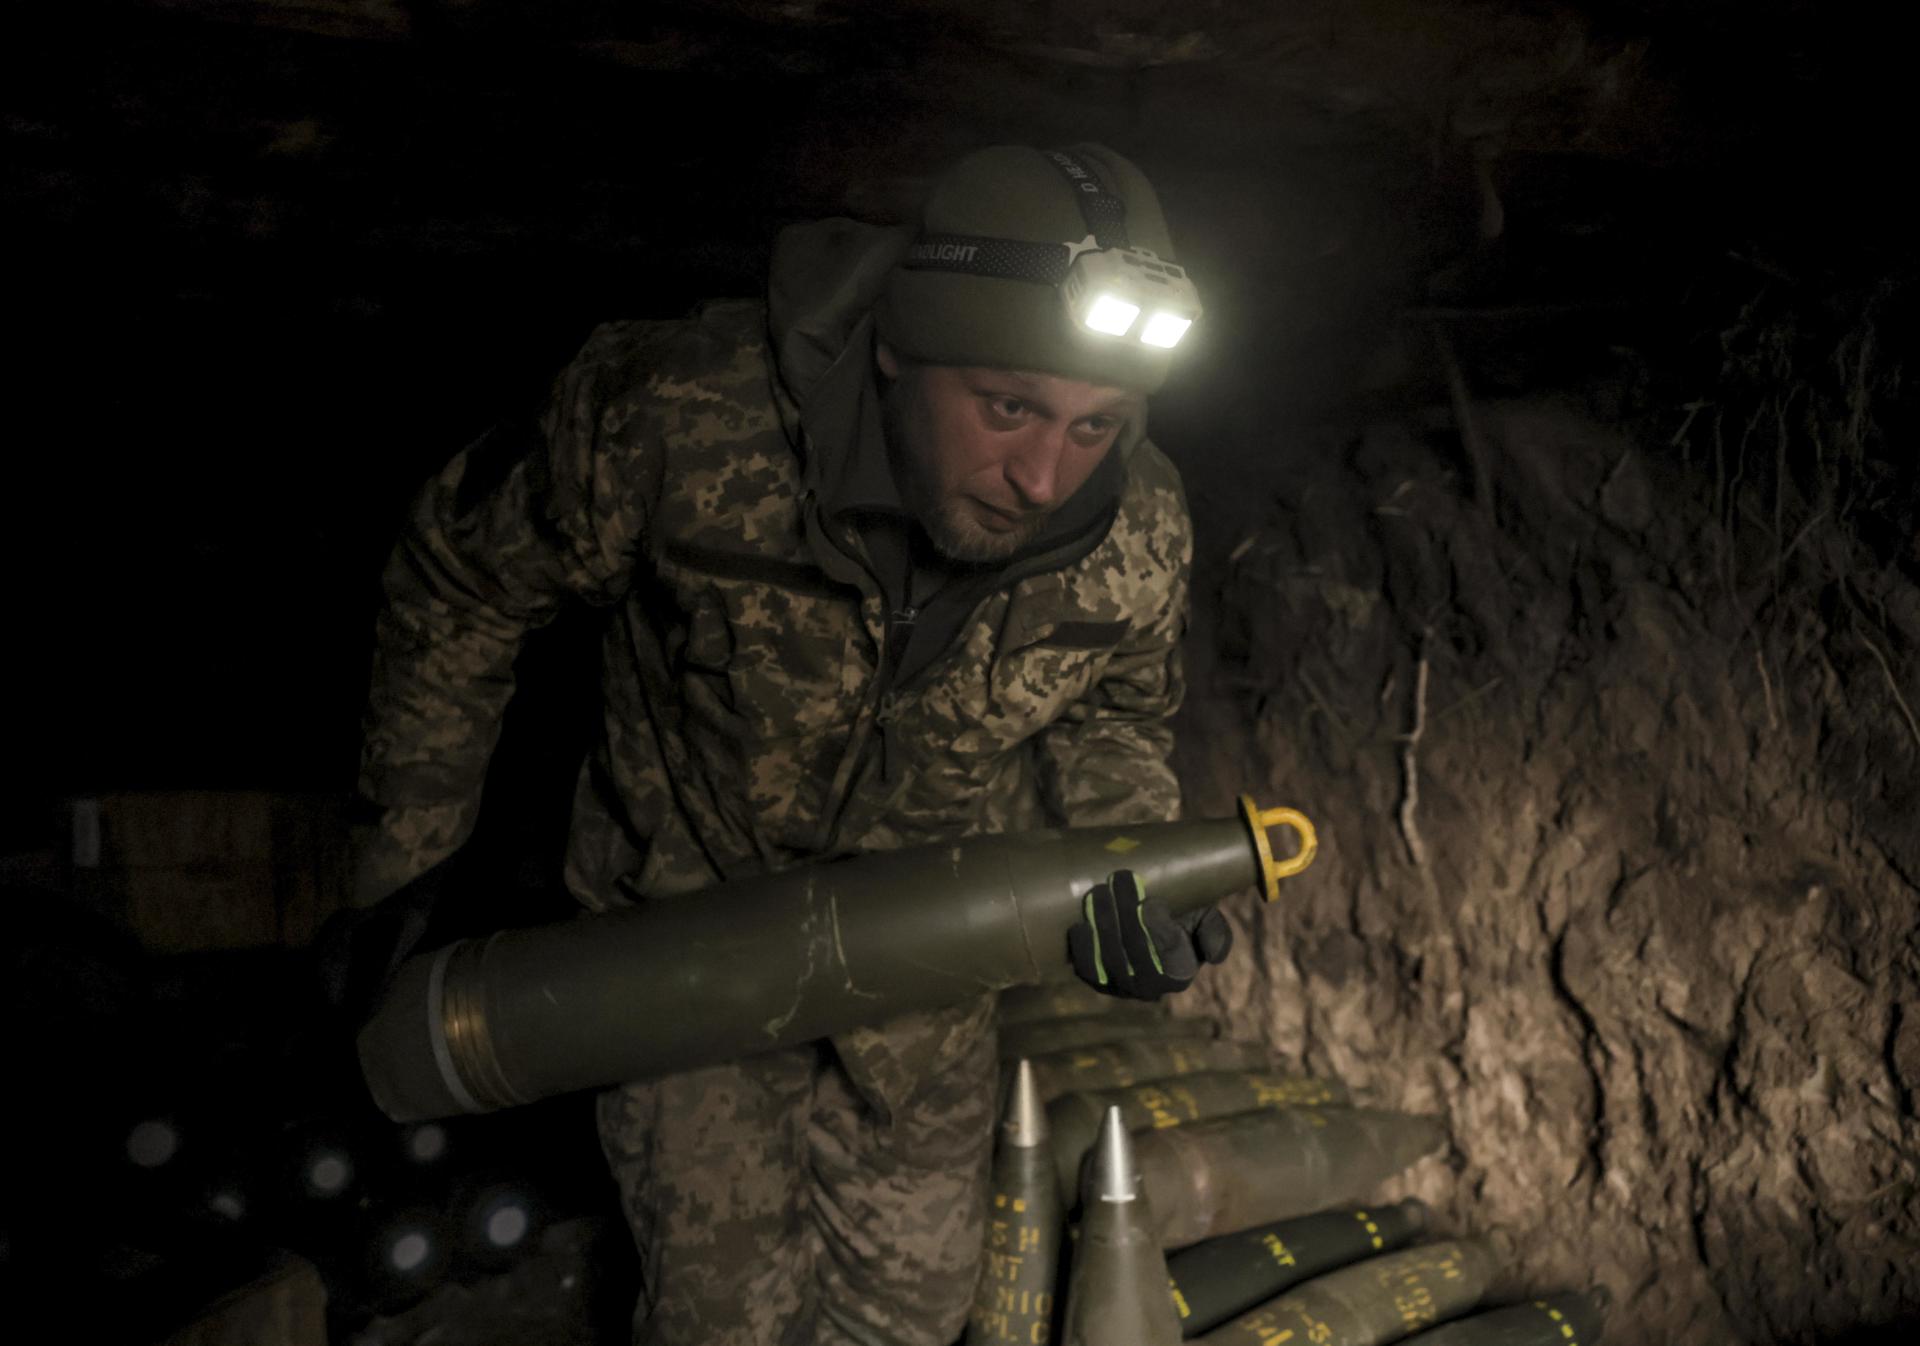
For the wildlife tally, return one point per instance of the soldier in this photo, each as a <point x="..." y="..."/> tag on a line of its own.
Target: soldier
<point x="886" y="559"/>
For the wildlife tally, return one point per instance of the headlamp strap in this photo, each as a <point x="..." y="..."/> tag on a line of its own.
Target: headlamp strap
<point x="1001" y="258"/>
<point x="1105" y="213"/>
<point x="1019" y="259"/>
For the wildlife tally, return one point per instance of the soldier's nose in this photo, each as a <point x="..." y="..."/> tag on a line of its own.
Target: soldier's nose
<point x="1034" y="471"/>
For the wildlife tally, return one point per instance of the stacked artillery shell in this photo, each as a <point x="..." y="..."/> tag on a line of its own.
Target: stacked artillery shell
<point x="1379" y="1300"/>
<point x="1065" y="999"/>
<point x="1044" y="1037"/>
<point x="1113" y="1065"/>
<point x="1563" y="1320"/>
<point x="1014" y="1300"/>
<point x="1214" y="1280"/>
<point x="1073" y="1120"/>
<point x="1233" y="1173"/>
<point x="1117" y="1293"/>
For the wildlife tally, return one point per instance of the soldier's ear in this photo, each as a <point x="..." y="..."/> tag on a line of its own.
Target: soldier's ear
<point x="884" y="357"/>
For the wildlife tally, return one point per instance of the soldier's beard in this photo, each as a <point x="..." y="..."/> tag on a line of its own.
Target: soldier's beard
<point x="958" y="535"/>
<point x="949" y="520"/>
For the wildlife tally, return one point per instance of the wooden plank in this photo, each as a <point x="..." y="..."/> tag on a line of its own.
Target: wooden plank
<point x="192" y="870"/>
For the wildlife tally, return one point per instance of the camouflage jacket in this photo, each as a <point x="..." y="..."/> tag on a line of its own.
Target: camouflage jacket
<point x="686" y="478"/>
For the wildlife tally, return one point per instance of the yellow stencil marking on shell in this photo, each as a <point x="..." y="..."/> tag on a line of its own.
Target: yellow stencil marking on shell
<point x="1366" y="1222"/>
<point x="1121" y="845"/>
<point x="1258" y="820"/>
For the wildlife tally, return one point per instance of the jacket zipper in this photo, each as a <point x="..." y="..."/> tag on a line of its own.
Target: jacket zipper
<point x="899" y="635"/>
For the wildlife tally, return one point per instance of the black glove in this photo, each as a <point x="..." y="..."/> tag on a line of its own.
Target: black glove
<point x="1128" y="944"/>
<point x="357" y="950"/>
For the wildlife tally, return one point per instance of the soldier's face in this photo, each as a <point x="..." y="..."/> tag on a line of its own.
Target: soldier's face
<point x="983" y="456"/>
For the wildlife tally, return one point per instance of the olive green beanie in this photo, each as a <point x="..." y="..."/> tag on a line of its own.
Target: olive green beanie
<point x="1015" y="192"/>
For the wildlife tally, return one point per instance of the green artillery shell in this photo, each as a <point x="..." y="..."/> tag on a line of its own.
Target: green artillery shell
<point x="1112" y="1065"/>
<point x="1379" y="1300"/>
<point x="1014" y="1300"/>
<point x="1563" y="1320"/>
<point x="1214" y="1280"/>
<point x="1116" y="1294"/>
<point x="1043" y="1037"/>
<point x="1074" y="1119"/>
<point x="1064" y="999"/>
<point x="769" y="961"/>
<point x="1232" y="1173"/>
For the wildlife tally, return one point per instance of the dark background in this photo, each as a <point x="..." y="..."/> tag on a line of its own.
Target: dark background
<point x="273" y="262"/>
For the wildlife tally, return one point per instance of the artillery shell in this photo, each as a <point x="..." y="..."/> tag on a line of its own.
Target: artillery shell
<point x="1065" y="999"/>
<point x="1073" y="1120"/>
<point x="1379" y="1300"/>
<point x="772" y="960"/>
<point x="1214" y="1280"/>
<point x="1562" y="1320"/>
<point x="1112" y="1065"/>
<point x="1232" y="1173"/>
<point x="1043" y="1037"/>
<point x="1116" y="1294"/>
<point x="1014" y="1299"/>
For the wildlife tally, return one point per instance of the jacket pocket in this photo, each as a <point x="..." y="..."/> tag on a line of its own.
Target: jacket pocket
<point x="771" y="648"/>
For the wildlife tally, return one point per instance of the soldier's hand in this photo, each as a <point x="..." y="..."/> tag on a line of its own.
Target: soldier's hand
<point x="357" y="950"/>
<point x="1128" y="944"/>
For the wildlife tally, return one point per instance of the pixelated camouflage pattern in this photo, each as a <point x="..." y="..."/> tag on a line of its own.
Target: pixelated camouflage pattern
<point x="769" y="1207"/>
<point x="742" y="705"/>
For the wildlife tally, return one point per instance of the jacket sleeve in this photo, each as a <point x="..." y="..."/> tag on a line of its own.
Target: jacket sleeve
<point x="514" y="528"/>
<point x="1106" y="761"/>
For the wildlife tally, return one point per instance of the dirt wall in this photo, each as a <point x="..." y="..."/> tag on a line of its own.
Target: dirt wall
<point x="1619" y="868"/>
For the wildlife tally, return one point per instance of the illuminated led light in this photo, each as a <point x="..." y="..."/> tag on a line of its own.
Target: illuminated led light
<point x="410" y="1251"/>
<point x="507" y="1225"/>
<point x="1165" y="330"/>
<point x="1112" y="315"/>
<point x="427" y="1143"/>
<point x="153" y="1143"/>
<point x="328" y="1174"/>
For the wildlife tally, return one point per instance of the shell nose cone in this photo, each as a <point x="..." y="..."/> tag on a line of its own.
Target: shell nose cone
<point x="1115" y="1175"/>
<point x="1023" y="1125"/>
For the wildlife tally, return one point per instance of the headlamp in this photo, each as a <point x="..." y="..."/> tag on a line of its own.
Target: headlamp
<point x="1109" y="287"/>
<point x="1129" y="292"/>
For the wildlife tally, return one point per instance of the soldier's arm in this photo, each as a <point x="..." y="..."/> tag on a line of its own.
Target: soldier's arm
<point x="510" y="531"/>
<point x="1106" y="761"/>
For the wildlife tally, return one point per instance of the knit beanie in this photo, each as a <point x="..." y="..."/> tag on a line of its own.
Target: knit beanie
<point x="1021" y="196"/>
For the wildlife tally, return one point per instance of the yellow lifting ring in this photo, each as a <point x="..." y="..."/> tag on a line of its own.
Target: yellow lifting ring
<point x="1272" y="870"/>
